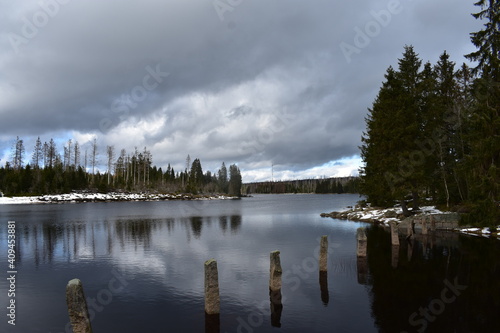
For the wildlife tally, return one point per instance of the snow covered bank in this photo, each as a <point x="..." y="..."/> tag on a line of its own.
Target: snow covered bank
<point x="100" y="197"/>
<point x="375" y="215"/>
<point x="427" y="216"/>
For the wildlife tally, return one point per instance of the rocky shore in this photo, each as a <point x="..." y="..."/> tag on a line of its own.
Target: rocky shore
<point x="426" y="219"/>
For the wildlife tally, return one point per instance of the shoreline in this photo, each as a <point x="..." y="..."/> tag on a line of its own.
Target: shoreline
<point x="428" y="217"/>
<point x="108" y="197"/>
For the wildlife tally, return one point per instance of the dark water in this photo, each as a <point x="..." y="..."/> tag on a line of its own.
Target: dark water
<point x="141" y="264"/>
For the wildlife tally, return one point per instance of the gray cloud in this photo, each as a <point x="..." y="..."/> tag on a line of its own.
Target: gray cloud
<point x="229" y="81"/>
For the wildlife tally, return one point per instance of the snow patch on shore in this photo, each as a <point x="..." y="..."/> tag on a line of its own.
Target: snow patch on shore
<point x="92" y="197"/>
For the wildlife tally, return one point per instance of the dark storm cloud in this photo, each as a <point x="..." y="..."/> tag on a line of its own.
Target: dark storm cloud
<point x="212" y="78"/>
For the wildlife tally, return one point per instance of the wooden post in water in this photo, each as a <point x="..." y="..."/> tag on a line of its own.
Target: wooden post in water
<point x="424" y="225"/>
<point x="394" y="233"/>
<point x="361" y="238"/>
<point x="77" y="307"/>
<point x="323" y="254"/>
<point x="275" y="271"/>
<point x="409" y="229"/>
<point x="212" y="299"/>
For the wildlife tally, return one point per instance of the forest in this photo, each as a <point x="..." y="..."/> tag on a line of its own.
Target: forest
<point x="49" y="172"/>
<point x="433" y="130"/>
<point x="337" y="185"/>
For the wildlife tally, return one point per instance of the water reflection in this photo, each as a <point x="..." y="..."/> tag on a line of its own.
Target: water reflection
<point x="196" y="225"/>
<point x="160" y="253"/>
<point x="276" y="307"/>
<point x="323" y="285"/>
<point x="362" y="269"/>
<point x="235" y="223"/>
<point x="394" y="256"/>
<point x="46" y="242"/>
<point x="407" y="292"/>
<point x="212" y="323"/>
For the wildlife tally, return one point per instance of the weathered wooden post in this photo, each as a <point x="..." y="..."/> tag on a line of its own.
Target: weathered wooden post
<point x="212" y="299"/>
<point x="394" y="233"/>
<point x="77" y="307"/>
<point x="361" y="245"/>
<point x="323" y="254"/>
<point x="275" y="273"/>
<point x="409" y="228"/>
<point x="424" y="225"/>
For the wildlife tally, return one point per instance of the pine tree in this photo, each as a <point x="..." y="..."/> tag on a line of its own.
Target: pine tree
<point x="37" y="156"/>
<point x="196" y="178"/>
<point x="17" y="154"/>
<point x="395" y="128"/>
<point x="76" y="155"/>
<point x="234" y="181"/>
<point x="484" y="122"/>
<point x="94" y="156"/>
<point x="380" y="171"/>
<point x="222" y="178"/>
<point x="487" y="41"/>
<point x="110" y="152"/>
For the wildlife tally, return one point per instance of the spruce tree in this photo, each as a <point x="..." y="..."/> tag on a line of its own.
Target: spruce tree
<point x="234" y="181"/>
<point x="380" y="165"/>
<point x="484" y="122"/>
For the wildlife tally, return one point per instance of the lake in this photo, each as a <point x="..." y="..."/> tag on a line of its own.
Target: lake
<point x="142" y="268"/>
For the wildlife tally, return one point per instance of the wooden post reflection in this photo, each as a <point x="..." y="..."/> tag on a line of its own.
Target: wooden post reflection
<point x="212" y="323"/>
<point x="410" y="249"/>
<point x="323" y="285"/>
<point x="394" y="256"/>
<point x="276" y="307"/>
<point x="362" y="269"/>
<point x="361" y="251"/>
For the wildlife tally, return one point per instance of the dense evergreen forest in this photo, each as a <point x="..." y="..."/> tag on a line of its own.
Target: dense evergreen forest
<point x="433" y="130"/>
<point x="318" y="186"/>
<point x="50" y="173"/>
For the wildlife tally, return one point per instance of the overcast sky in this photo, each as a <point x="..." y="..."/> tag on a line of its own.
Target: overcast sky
<point x="261" y="82"/>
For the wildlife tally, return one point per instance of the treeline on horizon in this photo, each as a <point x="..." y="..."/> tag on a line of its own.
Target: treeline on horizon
<point x="50" y="173"/>
<point x="331" y="185"/>
<point x="433" y="131"/>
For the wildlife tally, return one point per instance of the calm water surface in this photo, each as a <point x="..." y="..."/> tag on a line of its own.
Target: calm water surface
<point x="141" y="264"/>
